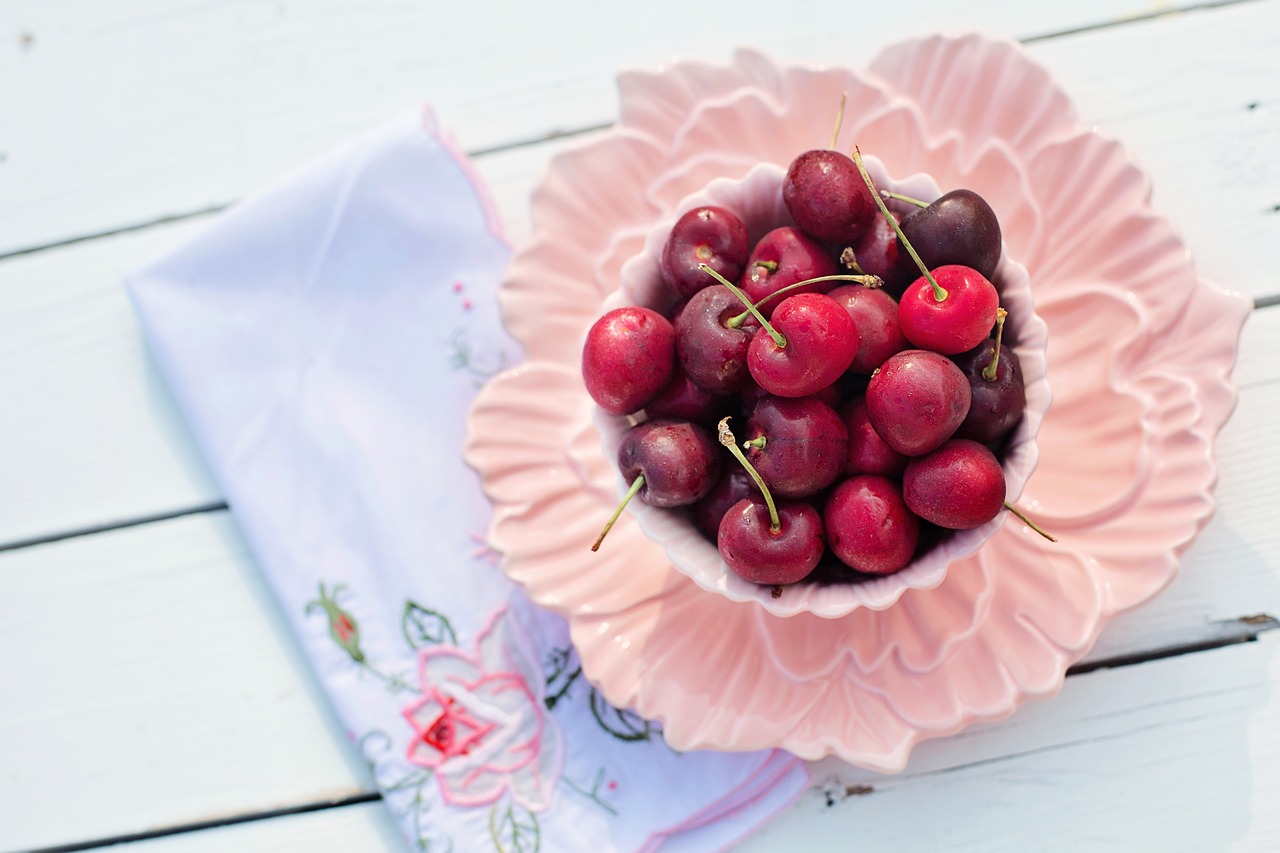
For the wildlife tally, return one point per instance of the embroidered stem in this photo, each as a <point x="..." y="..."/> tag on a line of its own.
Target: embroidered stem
<point x="594" y="793"/>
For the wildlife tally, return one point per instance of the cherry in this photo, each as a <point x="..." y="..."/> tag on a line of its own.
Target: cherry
<point x="705" y="235"/>
<point x="960" y="306"/>
<point x="763" y="542"/>
<point x="875" y="313"/>
<point x="956" y="228"/>
<point x="997" y="391"/>
<point x="783" y="257"/>
<point x="798" y="445"/>
<point x="916" y="401"/>
<point x="734" y="485"/>
<point x="869" y="527"/>
<point x="950" y="312"/>
<point x="756" y="552"/>
<point x="712" y="351"/>
<point x="628" y="358"/>
<point x="827" y="198"/>
<point x="876" y="253"/>
<point x="813" y="341"/>
<point x="958" y="486"/>
<point x="868" y="453"/>
<point x="686" y="400"/>
<point x="668" y="462"/>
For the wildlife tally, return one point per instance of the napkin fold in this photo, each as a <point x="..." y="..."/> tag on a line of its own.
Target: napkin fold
<point x="324" y="339"/>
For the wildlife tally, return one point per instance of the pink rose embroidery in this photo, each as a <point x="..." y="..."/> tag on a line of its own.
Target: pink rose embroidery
<point x="480" y="722"/>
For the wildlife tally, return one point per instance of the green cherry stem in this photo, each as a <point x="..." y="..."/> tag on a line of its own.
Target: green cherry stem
<point x="939" y="293"/>
<point x="636" y="485"/>
<point x="727" y="439"/>
<point x="872" y="281"/>
<point x="989" y="372"/>
<point x="900" y="197"/>
<point x="1028" y="522"/>
<point x="778" y="339"/>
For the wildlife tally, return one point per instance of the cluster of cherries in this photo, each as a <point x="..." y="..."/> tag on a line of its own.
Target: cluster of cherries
<point x="862" y="350"/>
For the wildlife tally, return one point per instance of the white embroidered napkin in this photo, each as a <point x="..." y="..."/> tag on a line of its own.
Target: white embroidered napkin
<point x="324" y="339"/>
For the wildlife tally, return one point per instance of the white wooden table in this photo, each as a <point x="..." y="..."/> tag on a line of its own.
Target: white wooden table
<point x="149" y="690"/>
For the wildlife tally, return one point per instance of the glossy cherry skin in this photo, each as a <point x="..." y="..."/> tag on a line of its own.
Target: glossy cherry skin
<point x="952" y="325"/>
<point x="957" y="228"/>
<point x="783" y="257"/>
<point x="826" y="196"/>
<point x="713" y="354"/>
<point x="917" y="400"/>
<point x="705" y="235"/>
<point x="821" y="342"/>
<point x="680" y="461"/>
<point x="997" y="404"/>
<point x="628" y="358"/>
<point x="760" y="555"/>
<point x="867" y="451"/>
<point x="958" y="486"/>
<point x="805" y="445"/>
<point x="869" y="527"/>
<point x="734" y="485"/>
<point x="875" y="313"/>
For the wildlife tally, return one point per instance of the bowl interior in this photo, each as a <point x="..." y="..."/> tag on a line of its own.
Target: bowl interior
<point x="757" y="199"/>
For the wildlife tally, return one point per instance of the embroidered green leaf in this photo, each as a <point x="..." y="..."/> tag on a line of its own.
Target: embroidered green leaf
<point x="424" y="627"/>
<point x="514" y="829"/>
<point x="624" y="725"/>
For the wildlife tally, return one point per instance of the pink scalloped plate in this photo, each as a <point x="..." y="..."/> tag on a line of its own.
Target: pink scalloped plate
<point x="1139" y="358"/>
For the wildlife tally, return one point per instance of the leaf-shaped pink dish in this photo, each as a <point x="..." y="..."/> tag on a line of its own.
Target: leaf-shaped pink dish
<point x="1139" y="358"/>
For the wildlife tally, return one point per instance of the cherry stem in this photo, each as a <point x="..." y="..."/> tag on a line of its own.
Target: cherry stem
<point x="989" y="372"/>
<point x="1013" y="509"/>
<point x="900" y="197"/>
<point x="636" y="485"/>
<point x="939" y="293"/>
<point x="872" y="281"/>
<point x="727" y="439"/>
<point x="778" y="339"/>
<point x="756" y="443"/>
<point x="835" y="134"/>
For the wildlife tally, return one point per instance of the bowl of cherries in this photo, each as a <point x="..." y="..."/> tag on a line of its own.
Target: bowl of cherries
<point x="821" y="384"/>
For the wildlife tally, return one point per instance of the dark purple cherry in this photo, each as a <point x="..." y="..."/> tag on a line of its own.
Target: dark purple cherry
<point x="713" y="353"/>
<point x="628" y="358"/>
<point x="869" y="527"/>
<point x="798" y="445"/>
<point x="668" y="463"/>
<point x="734" y="485"/>
<point x="997" y="403"/>
<point x="685" y="399"/>
<point x="957" y="228"/>
<point x="917" y="400"/>
<point x="958" y="486"/>
<point x="705" y="235"/>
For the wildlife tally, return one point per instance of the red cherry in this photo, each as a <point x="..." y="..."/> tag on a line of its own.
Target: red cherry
<point x="628" y="358"/>
<point x="821" y="342"/>
<point x="755" y="552"/>
<point x="958" y="486"/>
<point x="955" y="323"/>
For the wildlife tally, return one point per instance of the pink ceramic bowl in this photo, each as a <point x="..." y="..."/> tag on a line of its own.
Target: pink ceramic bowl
<point x="757" y="199"/>
<point x="1139" y="358"/>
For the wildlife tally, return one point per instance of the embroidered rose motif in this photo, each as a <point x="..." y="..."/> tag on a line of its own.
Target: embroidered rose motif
<point x="480" y="722"/>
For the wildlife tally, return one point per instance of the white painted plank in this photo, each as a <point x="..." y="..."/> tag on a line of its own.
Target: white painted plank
<point x="1179" y="754"/>
<point x="202" y="707"/>
<point x="149" y="681"/>
<point x="91" y="433"/>
<point x="367" y="828"/>
<point x="117" y="113"/>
